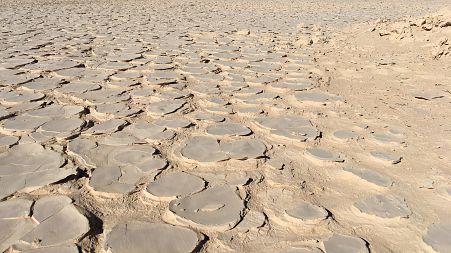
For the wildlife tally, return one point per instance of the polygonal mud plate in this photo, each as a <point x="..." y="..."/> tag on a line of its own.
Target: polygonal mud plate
<point x="16" y="62"/>
<point x="29" y="166"/>
<point x="248" y="91"/>
<point x="384" y="207"/>
<point x="13" y="98"/>
<point x="345" y="244"/>
<point x="42" y="84"/>
<point x="58" y="111"/>
<point x="59" y="222"/>
<point x="438" y="237"/>
<point x="216" y="101"/>
<point x="219" y="109"/>
<point x="303" y="211"/>
<point x="386" y="157"/>
<point x="115" y="179"/>
<point x="109" y="126"/>
<point x="165" y="75"/>
<point x="259" y="99"/>
<point x="203" y="149"/>
<point x="58" y="128"/>
<point x="162" y="60"/>
<point x="123" y="84"/>
<point x="163" y="78"/>
<point x="15" y="221"/>
<point x="80" y="149"/>
<point x="134" y="161"/>
<point x="344" y="135"/>
<point x="7" y="141"/>
<point x="149" y="132"/>
<point x="103" y="96"/>
<point x="23" y="123"/>
<point x="252" y="220"/>
<point x="165" y="107"/>
<point x="143" y="93"/>
<point x="286" y="209"/>
<point x="163" y="67"/>
<point x="276" y="164"/>
<point x="291" y="127"/>
<point x="229" y="129"/>
<point x="62" y="125"/>
<point x="247" y="110"/>
<point x="115" y="66"/>
<point x="203" y="90"/>
<point x="4" y="113"/>
<point x="122" y="138"/>
<point x="54" y="65"/>
<point x="238" y="178"/>
<point x="118" y="168"/>
<point x="217" y="208"/>
<point x="143" y="237"/>
<point x="14" y="77"/>
<point x="244" y="149"/>
<point x="425" y="95"/>
<point x="370" y="176"/>
<point x="91" y="154"/>
<point x="175" y="92"/>
<point x="77" y="87"/>
<point x="388" y="138"/>
<point x="208" y="117"/>
<point x="174" y="184"/>
<point x="111" y="110"/>
<point x="323" y="155"/>
<point x="139" y="156"/>
<point x="210" y="77"/>
<point x="127" y="75"/>
<point x="26" y="107"/>
<point x="55" y="224"/>
<point x="173" y="123"/>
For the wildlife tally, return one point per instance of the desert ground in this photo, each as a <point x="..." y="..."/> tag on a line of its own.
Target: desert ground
<point x="225" y="126"/>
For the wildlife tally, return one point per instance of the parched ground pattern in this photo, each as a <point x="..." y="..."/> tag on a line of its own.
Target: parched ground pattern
<point x="199" y="125"/>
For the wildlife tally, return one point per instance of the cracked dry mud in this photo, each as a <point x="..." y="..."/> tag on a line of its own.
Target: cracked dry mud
<point x="235" y="126"/>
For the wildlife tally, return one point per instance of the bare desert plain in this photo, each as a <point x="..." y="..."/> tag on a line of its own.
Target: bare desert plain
<point x="287" y="126"/>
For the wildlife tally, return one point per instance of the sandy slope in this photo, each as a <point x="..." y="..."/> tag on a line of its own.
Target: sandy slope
<point x="395" y="75"/>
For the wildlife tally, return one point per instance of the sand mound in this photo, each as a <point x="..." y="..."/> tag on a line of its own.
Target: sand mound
<point x="433" y="28"/>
